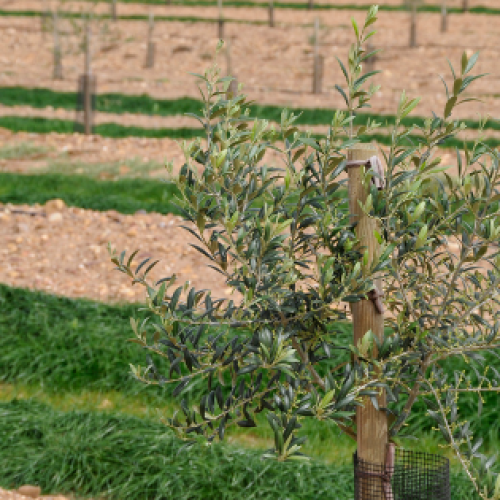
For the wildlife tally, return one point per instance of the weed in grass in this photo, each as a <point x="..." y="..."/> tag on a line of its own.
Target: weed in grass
<point x="22" y="151"/>
<point x="133" y="167"/>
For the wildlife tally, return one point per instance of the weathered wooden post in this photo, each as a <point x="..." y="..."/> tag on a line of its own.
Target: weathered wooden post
<point x="371" y="424"/>
<point x="271" y="13"/>
<point x="151" y="46"/>
<point x="233" y="86"/>
<point x="221" y="20"/>
<point x="88" y="84"/>
<point x="113" y="10"/>
<point x="465" y="5"/>
<point x="413" y="24"/>
<point x="444" y="17"/>
<point x="58" y="72"/>
<point x="317" y="61"/>
<point x="310" y="4"/>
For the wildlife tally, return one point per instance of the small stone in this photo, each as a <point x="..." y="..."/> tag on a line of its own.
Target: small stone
<point x="29" y="490"/>
<point x="55" y="217"/>
<point x="132" y="232"/>
<point x="114" y="215"/>
<point x="56" y="205"/>
<point x="22" y="228"/>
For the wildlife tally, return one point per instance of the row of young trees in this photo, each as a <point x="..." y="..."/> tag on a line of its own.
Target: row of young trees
<point x="291" y="240"/>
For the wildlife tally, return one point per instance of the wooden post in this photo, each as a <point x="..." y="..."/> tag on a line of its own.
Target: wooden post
<point x="444" y="20"/>
<point x="371" y="424"/>
<point x="113" y="10"/>
<point x="221" y="20"/>
<point x="271" y="13"/>
<point x="87" y="84"/>
<point x="151" y="47"/>
<point x="310" y="5"/>
<point x="44" y="22"/>
<point x="317" y="61"/>
<point x="370" y="62"/>
<point x="233" y="86"/>
<point x="58" y="72"/>
<point x="413" y="24"/>
<point x="465" y="5"/>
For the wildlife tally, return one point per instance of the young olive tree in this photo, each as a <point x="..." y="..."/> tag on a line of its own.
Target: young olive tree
<point x="281" y="236"/>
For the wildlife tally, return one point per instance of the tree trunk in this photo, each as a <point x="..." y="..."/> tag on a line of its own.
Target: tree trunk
<point x="371" y="424"/>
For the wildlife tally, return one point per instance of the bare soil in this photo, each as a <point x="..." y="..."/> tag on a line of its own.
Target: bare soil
<point x="274" y="63"/>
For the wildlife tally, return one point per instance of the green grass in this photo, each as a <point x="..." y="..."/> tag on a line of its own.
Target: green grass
<point x="92" y="453"/>
<point x="135" y="167"/>
<point x="22" y="150"/>
<point x="89" y="351"/>
<point x="113" y="130"/>
<point x="124" y="195"/>
<point x="144" y="104"/>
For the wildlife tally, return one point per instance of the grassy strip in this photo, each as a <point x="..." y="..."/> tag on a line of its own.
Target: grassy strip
<point x="89" y="351"/>
<point x="123" y="195"/>
<point x="116" y="131"/>
<point x="125" y="457"/>
<point x="143" y="104"/>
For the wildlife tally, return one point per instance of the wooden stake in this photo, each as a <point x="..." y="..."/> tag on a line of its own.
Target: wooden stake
<point x="370" y="62"/>
<point x="221" y="20"/>
<point x="310" y="5"/>
<point x="317" y="61"/>
<point x="233" y="86"/>
<point x="465" y="5"/>
<point x="413" y="24"/>
<point x="371" y="424"/>
<point x="444" y="19"/>
<point x="58" y="72"/>
<point x="87" y="85"/>
<point x="113" y="10"/>
<point x="151" y="47"/>
<point x="271" y="14"/>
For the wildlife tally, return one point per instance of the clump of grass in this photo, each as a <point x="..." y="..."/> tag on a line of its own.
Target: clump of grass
<point x="129" y="168"/>
<point x="22" y="151"/>
<point x="124" y="457"/>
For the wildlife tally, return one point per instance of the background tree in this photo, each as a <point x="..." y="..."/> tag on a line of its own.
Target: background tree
<point x="282" y="238"/>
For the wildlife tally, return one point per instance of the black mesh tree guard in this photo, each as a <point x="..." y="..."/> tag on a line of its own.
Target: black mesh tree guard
<point x="414" y="476"/>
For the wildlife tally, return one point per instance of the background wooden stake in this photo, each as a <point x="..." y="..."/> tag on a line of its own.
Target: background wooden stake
<point x="371" y="424"/>
<point x="413" y="24"/>
<point x="88" y="85"/>
<point x="58" y="72"/>
<point x="151" y="46"/>
<point x="221" y="20"/>
<point x="465" y="5"/>
<point x="370" y="62"/>
<point x="113" y="10"/>
<point x="444" y="17"/>
<point x="317" y="61"/>
<point x="271" y="14"/>
<point x="233" y="86"/>
<point x="310" y="4"/>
